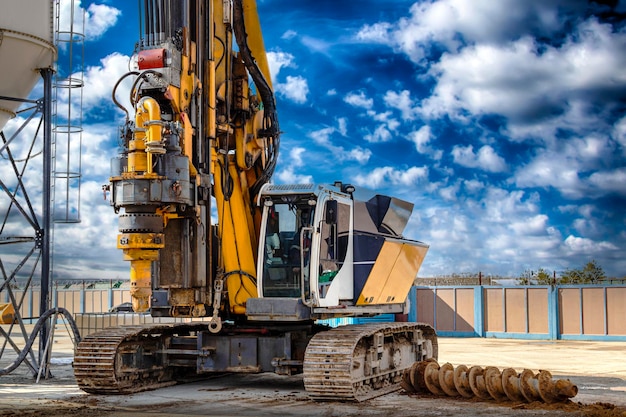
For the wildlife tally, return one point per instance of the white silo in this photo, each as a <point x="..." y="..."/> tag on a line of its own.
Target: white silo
<point x="26" y="45"/>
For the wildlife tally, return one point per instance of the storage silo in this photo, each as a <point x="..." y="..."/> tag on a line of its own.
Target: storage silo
<point x="26" y="45"/>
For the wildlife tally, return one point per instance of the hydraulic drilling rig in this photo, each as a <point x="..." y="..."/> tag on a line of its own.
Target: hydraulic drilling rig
<point x="202" y="137"/>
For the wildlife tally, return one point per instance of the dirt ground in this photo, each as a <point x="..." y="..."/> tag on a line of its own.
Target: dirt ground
<point x="598" y="369"/>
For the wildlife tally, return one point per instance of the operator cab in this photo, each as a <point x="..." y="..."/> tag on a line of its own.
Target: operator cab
<point x="306" y="232"/>
<point x="328" y="251"/>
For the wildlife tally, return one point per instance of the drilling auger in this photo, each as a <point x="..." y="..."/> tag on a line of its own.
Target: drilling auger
<point x="486" y="383"/>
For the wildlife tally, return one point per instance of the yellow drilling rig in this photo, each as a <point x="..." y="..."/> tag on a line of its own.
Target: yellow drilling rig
<point x="202" y="137"/>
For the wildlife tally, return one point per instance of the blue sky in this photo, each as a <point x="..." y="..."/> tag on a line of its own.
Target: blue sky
<point x="503" y="122"/>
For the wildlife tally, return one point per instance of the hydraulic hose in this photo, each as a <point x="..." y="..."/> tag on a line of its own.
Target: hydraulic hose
<point x="117" y="103"/>
<point x="267" y="96"/>
<point x="45" y="316"/>
<point x="271" y="128"/>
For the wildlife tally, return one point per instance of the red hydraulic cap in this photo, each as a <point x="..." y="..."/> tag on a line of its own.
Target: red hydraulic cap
<point x="151" y="58"/>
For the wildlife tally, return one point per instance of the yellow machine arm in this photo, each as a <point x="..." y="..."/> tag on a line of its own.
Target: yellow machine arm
<point x="205" y="124"/>
<point x="252" y="133"/>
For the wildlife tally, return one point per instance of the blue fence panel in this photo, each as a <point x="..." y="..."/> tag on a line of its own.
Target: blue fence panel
<point x="570" y="312"/>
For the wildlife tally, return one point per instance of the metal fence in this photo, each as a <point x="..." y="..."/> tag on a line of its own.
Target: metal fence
<point x="77" y="297"/>
<point x="584" y="312"/>
<point x="573" y="312"/>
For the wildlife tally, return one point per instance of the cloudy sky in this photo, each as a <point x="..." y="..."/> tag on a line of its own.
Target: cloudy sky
<point x="503" y="121"/>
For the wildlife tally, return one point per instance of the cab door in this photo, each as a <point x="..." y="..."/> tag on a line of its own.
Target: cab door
<point x="334" y="255"/>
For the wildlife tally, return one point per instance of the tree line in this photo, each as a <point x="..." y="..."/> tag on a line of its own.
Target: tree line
<point x="590" y="273"/>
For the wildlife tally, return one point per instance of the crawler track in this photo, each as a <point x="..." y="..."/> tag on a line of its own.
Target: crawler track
<point x="128" y="359"/>
<point x="356" y="363"/>
<point x="348" y="363"/>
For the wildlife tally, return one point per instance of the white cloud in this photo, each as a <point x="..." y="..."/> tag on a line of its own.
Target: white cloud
<point x="359" y="155"/>
<point x="486" y="158"/>
<point x="502" y="205"/>
<point x="77" y="254"/>
<point x="565" y="166"/>
<point x="585" y="246"/>
<point x="322" y="137"/>
<point x="384" y="131"/>
<point x="384" y="176"/>
<point x="619" y="133"/>
<point x="525" y="82"/>
<point x="534" y="225"/>
<point x="613" y="181"/>
<point x="278" y="60"/>
<point x="499" y="231"/>
<point x="494" y="63"/>
<point x="101" y="79"/>
<point x="450" y="193"/>
<point x="98" y="18"/>
<point x="82" y="256"/>
<point x="316" y="44"/>
<point x="342" y="126"/>
<point x="359" y="100"/>
<point x="544" y="171"/>
<point x="452" y="23"/>
<point x="295" y="88"/>
<point x="473" y="186"/>
<point x="290" y="34"/>
<point x="295" y="155"/>
<point x="380" y="134"/>
<point x="98" y="147"/>
<point x="377" y="32"/>
<point x="289" y="174"/>
<point x="490" y="62"/>
<point x="401" y="101"/>
<point x="422" y="139"/>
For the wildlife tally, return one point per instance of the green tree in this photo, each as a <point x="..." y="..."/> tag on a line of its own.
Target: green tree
<point x="543" y="278"/>
<point x="529" y="277"/>
<point x="526" y="278"/>
<point x="591" y="273"/>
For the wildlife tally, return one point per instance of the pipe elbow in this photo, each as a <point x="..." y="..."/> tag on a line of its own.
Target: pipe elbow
<point x="153" y="122"/>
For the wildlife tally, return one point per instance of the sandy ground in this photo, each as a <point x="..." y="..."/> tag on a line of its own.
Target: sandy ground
<point x="598" y="369"/>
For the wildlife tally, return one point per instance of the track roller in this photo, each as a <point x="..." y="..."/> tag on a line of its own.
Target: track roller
<point x="486" y="383"/>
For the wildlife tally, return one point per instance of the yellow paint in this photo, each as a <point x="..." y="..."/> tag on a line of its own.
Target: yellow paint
<point x="403" y="274"/>
<point x="140" y="285"/>
<point x="137" y="158"/>
<point x="138" y="143"/>
<point x="255" y="38"/>
<point x="219" y="51"/>
<point x="7" y="313"/>
<point x="186" y="84"/>
<point x="393" y="274"/>
<point x="379" y="273"/>
<point x="211" y="110"/>
<point x="141" y="249"/>
<point x="166" y="215"/>
<point x="137" y="162"/>
<point x="188" y="142"/>
<point x="140" y="241"/>
<point x="153" y="113"/>
<point x="235" y="240"/>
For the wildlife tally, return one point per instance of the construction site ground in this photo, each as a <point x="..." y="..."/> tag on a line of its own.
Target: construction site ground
<point x="597" y="368"/>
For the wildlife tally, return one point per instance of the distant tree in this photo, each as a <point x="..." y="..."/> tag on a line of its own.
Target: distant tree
<point x="543" y="278"/>
<point x="526" y="278"/>
<point x="530" y="277"/>
<point x="571" y="276"/>
<point x="591" y="273"/>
